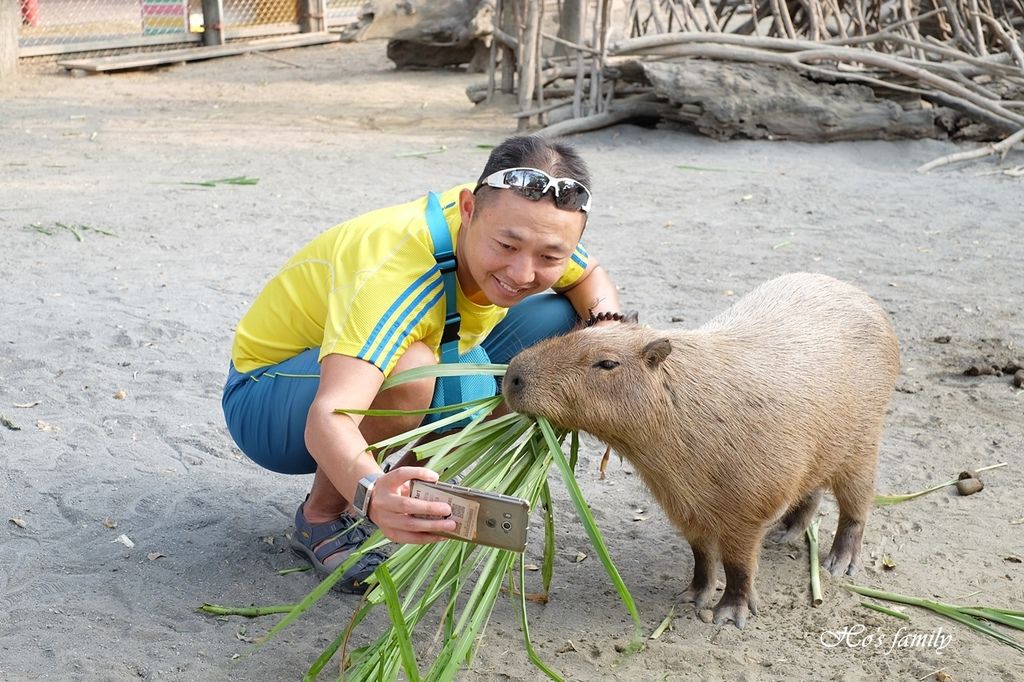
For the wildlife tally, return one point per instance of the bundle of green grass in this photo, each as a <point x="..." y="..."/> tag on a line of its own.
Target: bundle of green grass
<point x="459" y="581"/>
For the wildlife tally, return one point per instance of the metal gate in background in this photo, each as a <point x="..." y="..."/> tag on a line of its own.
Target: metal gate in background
<point x="56" y="27"/>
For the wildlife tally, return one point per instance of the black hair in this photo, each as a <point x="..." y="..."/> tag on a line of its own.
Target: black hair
<point x="554" y="157"/>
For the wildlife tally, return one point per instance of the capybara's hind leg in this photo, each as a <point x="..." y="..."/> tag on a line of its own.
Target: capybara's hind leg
<point x="703" y="584"/>
<point x="739" y="558"/>
<point x="855" y="494"/>
<point x="796" y="519"/>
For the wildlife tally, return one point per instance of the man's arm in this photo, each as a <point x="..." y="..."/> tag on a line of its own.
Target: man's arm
<point x="339" y="448"/>
<point x="593" y="292"/>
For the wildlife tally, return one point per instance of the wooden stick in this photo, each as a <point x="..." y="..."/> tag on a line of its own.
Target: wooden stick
<point x="648" y="44"/>
<point x="506" y="39"/>
<point x="577" y="97"/>
<point x="754" y="17"/>
<point x="1000" y="148"/>
<point x="492" y="58"/>
<point x="711" y="18"/>
<point x="1011" y="45"/>
<point x="839" y="18"/>
<point x="813" y="27"/>
<point x="622" y="112"/>
<point x="563" y="41"/>
<point x="633" y="14"/>
<point x="549" y="107"/>
<point x="675" y="16"/>
<point x="691" y="14"/>
<point x="979" y="36"/>
<point x="538" y="53"/>
<point x="527" y="57"/>
<point x="659" y="24"/>
<point x="954" y="22"/>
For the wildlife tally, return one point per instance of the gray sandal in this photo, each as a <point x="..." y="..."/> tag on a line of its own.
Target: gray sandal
<point x="340" y="538"/>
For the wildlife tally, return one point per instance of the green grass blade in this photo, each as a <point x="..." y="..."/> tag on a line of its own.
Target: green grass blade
<point x="452" y="369"/>
<point x="398" y="623"/>
<point x="474" y="613"/>
<point x="961" y="614"/>
<point x="293" y="569"/>
<point x="464" y="435"/>
<point x="324" y="658"/>
<point x="574" y="450"/>
<point x="375" y="541"/>
<point x="430" y="410"/>
<point x="589" y="525"/>
<point x="1008" y="612"/>
<point x="245" y="611"/>
<point x="884" y="500"/>
<point x="534" y="658"/>
<point x="665" y="624"/>
<point x="99" y="230"/>
<point x="812" y="551"/>
<point x="486" y="452"/>
<point x="887" y="611"/>
<point x="885" y="596"/>
<point x="413" y="434"/>
<point x="422" y="154"/>
<point x="996" y="616"/>
<point x="715" y="169"/>
<point x="975" y="624"/>
<point x="547" y="569"/>
<point x="72" y="229"/>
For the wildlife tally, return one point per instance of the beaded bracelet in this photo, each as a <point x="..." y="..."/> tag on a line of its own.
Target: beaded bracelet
<point x="604" y="317"/>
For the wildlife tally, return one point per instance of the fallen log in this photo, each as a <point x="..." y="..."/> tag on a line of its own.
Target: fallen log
<point x="761" y="101"/>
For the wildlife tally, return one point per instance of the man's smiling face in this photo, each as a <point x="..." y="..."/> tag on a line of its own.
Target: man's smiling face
<point x="511" y="247"/>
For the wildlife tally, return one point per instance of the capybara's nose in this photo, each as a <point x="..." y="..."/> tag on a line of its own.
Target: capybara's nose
<point x="513" y="382"/>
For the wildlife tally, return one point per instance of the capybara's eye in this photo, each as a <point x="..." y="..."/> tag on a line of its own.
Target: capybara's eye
<point x="606" y="364"/>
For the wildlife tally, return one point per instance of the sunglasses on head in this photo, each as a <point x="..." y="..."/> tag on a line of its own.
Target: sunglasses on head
<point x="569" y="194"/>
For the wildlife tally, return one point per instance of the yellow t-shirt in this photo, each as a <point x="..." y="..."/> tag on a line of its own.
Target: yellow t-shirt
<point x="367" y="288"/>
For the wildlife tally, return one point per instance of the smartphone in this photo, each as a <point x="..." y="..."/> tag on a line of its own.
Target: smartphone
<point x="483" y="517"/>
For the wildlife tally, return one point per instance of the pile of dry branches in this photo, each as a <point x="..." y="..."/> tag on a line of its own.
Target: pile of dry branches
<point x="960" y="62"/>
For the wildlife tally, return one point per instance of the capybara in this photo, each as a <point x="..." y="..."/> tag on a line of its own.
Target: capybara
<point x="737" y="423"/>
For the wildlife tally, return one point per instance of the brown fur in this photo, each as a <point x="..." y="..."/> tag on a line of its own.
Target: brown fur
<point x="738" y="422"/>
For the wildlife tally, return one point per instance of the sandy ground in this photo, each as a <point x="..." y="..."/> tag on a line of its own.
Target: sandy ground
<point x="119" y="343"/>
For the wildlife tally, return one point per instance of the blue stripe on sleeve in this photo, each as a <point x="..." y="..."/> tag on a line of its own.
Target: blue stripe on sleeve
<point x="438" y="283"/>
<point x="391" y="310"/>
<point x="580" y="256"/>
<point x="409" y="327"/>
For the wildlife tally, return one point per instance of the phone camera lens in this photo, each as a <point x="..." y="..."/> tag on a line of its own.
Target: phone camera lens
<point x="507" y="526"/>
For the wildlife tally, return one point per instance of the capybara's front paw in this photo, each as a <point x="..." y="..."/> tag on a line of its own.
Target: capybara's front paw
<point x="698" y="595"/>
<point x="735" y="607"/>
<point x="783" y="533"/>
<point x="839" y="563"/>
<point x="844" y="557"/>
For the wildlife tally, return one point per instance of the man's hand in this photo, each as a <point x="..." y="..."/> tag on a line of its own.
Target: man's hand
<point x="396" y="514"/>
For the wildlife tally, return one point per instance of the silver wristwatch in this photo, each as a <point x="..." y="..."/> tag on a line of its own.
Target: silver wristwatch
<point x="364" y="490"/>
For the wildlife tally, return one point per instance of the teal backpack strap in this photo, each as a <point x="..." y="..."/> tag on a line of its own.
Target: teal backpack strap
<point x="444" y="254"/>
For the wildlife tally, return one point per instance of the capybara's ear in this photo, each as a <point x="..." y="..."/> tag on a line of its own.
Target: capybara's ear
<point x="656" y="351"/>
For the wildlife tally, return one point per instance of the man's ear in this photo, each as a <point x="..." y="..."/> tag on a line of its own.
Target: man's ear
<point x="467" y="206"/>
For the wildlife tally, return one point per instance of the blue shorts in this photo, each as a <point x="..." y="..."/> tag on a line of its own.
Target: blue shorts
<point x="266" y="409"/>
